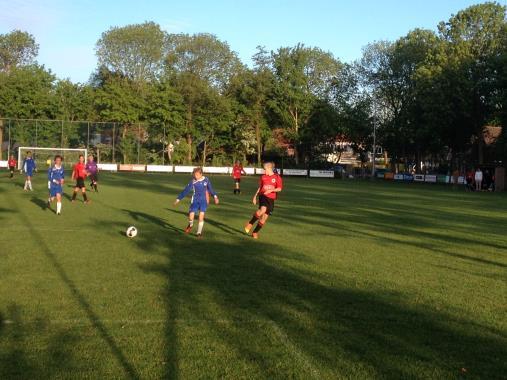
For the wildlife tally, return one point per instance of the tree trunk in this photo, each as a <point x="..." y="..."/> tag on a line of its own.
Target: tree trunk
<point x="204" y="154"/>
<point x="189" y="151"/>
<point x="189" y="134"/>
<point x="258" y="140"/>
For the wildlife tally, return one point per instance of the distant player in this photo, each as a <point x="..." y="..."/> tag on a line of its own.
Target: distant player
<point x="12" y="163"/>
<point x="93" y="171"/>
<point x="29" y="167"/>
<point x="201" y="187"/>
<point x="237" y="171"/>
<point x="79" y="175"/>
<point x="269" y="185"/>
<point x="55" y="183"/>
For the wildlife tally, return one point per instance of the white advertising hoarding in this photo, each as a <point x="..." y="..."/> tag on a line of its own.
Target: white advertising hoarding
<point x="159" y="168"/>
<point x="108" y="167"/>
<point x="295" y="172"/>
<point x="322" y="173"/>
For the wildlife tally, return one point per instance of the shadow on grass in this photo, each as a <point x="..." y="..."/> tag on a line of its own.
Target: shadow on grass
<point x="55" y="361"/>
<point x="249" y="315"/>
<point x="129" y="370"/>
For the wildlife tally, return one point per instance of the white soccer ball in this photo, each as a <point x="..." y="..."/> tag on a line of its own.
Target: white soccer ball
<point x="131" y="232"/>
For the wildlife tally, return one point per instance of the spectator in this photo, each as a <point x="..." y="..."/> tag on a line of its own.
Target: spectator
<point x="478" y="179"/>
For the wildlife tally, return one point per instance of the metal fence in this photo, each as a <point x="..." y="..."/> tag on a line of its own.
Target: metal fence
<point x="108" y="141"/>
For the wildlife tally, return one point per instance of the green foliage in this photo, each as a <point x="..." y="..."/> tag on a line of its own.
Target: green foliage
<point x="17" y="48"/>
<point x="429" y="93"/>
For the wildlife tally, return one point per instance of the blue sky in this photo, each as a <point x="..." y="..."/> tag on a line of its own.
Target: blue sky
<point x="68" y="30"/>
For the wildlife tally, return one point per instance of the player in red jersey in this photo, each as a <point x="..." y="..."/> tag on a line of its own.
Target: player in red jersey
<point x="270" y="184"/>
<point x="79" y="174"/>
<point x="12" y="165"/>
<point x="237" y="171"/>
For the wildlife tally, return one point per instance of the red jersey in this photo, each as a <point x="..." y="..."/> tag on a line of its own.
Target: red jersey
<point x="79" y="171"/>
<point x="12" y="162"/>
<point x="237" y="170"/>
<point x="270" y="182"/>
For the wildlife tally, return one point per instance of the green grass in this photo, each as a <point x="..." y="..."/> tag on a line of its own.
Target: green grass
<point x="351" y="280"/>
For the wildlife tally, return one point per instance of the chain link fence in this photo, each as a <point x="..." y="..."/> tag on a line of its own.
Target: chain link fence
<point x="109" y="142"/>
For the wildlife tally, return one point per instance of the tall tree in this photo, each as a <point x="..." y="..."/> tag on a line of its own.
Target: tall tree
<point x="17" y="48"/>
<point x="303" y="76"/>
<point x="134" y="51"/>
<point x="196" y="64"/>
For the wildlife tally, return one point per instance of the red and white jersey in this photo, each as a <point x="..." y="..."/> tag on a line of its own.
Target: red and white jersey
<point x="12" y="162"/>
<point x="237" y="171"/>
<point x="270" y="182"/>
<point x="79" y="170"/>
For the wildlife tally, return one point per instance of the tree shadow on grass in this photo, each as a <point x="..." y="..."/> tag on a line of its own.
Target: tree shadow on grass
<point x="250" y="315"/>
<point x="17" y="357"/>
<point x="129" y="370"/>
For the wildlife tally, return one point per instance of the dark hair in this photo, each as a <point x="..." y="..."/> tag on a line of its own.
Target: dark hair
<point x="29" y="152"/>
<point x="197" y="170"/>
<point x="81" y="156"/>
<point x="58" y="156"/>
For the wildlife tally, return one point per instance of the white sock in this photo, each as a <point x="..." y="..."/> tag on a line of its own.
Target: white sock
<point x="26" y="185"/>
<point x="191" y="223"/>
<point x="30" y="185"/>
<point x="199" y="227"/>
<point x="58" y="207"/>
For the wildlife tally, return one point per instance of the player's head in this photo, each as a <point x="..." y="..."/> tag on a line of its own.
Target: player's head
<point x="269" y="166"/>
<point x="238" y="163"/>
<point x="29" y="154"/>
<point x="81" y="158"/>
<point x="58" y="160"/>
<point x="12" y="157"/>
<point x="197" y="173"/>
<point x="90" y="158"/>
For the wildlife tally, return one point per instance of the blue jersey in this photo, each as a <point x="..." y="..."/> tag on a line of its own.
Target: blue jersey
<point x="56" y="175"/>
<point x="55" y="178"/>
<point x="29" y="165"/>
<point x="199" y="187"/>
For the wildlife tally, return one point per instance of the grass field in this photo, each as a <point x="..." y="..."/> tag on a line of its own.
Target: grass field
<point x="350" y="280"/>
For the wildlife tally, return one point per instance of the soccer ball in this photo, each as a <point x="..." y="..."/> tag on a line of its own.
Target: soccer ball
<point x="131" y="232"/>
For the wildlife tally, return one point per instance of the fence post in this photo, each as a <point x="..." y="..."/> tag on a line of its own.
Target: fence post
<point x="36" y="134"/>
<point x="9" y="145"/>
<point x="163" y="148"/>
<point x="138" y="142"/>
<point x="114" y="134"/>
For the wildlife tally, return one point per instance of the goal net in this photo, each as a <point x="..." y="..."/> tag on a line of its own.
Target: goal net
<point x="44" y="157"/>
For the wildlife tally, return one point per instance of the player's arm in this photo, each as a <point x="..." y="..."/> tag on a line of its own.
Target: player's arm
<point x="254" y="200"/>
<point x="184" y="193"/>
<point x="212" y="192"/>
<point x="243" y="171"/>
<point x="73" y="176"/>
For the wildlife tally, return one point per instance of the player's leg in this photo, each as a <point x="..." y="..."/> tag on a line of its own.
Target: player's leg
<point x="200" y="224"/>
<point x="255" y="217"/>
<point x="191" y="216"/>
<point x="74" y="194"/>
<point x="260" y="224"/>
<point x="58" y="203"/>
<point x="83" y="193"/>
<point x="30" y="183"/>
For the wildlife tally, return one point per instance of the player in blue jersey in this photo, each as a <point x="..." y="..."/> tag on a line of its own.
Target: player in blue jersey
<point x="55" y="183"/>
<point x="201" y="187"/>
<point x="29" y="168"/>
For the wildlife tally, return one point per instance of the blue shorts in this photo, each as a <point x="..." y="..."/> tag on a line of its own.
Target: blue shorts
<point x="198" y="205"/>
<point x="55" y="189"/>
<point x="29" y="173"/>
